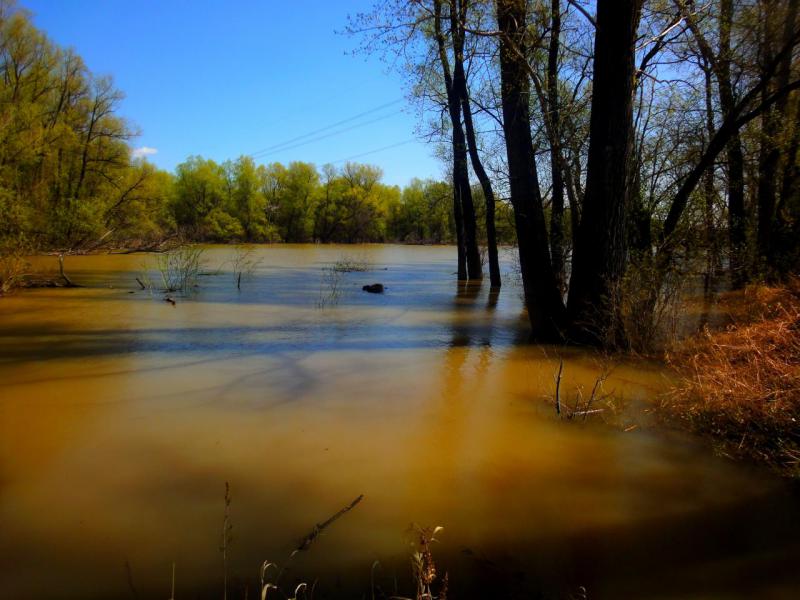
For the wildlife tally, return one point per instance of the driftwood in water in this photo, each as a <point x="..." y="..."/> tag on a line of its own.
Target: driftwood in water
<point x="67" y="281"/>
<point x="319" y="527"/>
<point x="156" y="247"/>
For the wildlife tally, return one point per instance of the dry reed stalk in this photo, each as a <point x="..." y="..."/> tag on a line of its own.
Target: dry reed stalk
<point x="741" y="385"/>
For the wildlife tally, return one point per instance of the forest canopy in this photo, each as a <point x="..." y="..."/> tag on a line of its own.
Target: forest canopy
<point x="69" y="179"/>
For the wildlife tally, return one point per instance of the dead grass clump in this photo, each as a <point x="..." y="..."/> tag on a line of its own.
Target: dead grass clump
<point x="244" y="264"/>
<point x="423" y="566"/>
<point x="742" y="384"/>
<point x="351" y="264"/>
<point x="13" y="264"/>
<point x="180" y="268"/>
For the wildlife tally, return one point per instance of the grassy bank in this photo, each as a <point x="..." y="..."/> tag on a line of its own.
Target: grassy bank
<point x="741" y="381"/>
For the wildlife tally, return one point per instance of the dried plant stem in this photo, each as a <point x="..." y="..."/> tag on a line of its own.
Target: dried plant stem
<point x="226" y="532"/>
<point x="319" y="527"/>
<point x="558" y="386"/>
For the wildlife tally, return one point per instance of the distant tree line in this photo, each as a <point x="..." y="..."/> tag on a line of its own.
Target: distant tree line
<point x="69" y="178"/>
<point x="241" y="201"/>
<point x="635" y="140"/>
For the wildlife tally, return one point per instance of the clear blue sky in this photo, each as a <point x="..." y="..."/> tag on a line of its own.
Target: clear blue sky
<point x="222" y="79"/>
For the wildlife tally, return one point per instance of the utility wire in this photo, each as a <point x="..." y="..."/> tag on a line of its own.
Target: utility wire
<point x="374" y="151"/>
<point x="326" y="128"/>
<point x="327" y="135"/>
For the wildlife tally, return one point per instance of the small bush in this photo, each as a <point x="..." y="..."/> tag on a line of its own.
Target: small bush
<point x="350" y="264"/>
<point x="180" y="268"/>
<point x="244" y="264"/>
<point x="330" y="287"/>
<point x="13" y="265"/>
<point x="645" y="304"/>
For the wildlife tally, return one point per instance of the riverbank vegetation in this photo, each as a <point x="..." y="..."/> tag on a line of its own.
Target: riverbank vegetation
<point x="741" y="382"/>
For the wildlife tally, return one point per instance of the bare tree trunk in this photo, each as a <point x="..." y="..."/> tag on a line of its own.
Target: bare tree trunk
<point x="469" y="262"/>
<point x="785" y="229"/>
<point x="557" y="203"/>
<point x="458" y="218"/>
<point x="713" y="262"/>
<point x="601" y="244"/>
<point x="771" y="149"/>
<point x="488" y="192"/>
<point x="458" y="10"/>
<point x="477" y="165"/>
<point x="737" y="219"/>
<point x="545" y="306"/>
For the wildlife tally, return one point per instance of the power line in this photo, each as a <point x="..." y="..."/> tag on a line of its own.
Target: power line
<point x="408" y="141"/>
<point x="262" y="154"/>
<point x="326" y="128"/>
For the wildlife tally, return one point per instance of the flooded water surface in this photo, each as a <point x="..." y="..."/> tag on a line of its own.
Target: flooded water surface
<point x="122" y="417"/>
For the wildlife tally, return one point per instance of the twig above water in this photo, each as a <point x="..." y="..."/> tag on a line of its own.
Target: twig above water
<point x="319" y="527"/>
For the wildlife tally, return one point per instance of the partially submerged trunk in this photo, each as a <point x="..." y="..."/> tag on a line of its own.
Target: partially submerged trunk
<point x="545" y="306"/>
<point x="601" y="242"/>
<point x="469" y="262"/>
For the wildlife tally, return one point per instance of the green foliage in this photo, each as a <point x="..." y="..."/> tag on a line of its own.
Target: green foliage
<point x="423" y="214"/>
<point x="69" y="179"/>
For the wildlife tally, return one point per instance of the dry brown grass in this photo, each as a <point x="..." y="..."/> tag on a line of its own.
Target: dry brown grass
<point x="742" y="384"/>
<point x="13" y="265"/>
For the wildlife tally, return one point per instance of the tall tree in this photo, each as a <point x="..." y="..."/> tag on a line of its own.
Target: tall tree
<point x="459" y="25"/>
<point x="557" y="175"/>
<point x="542" y="296"/>
<point x="455" y="82"/>
<point x="772" y="143"/>
<point x="600" y="247"/>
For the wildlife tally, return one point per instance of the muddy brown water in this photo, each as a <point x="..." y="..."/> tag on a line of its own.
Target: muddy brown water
<point x="122" y="417"/>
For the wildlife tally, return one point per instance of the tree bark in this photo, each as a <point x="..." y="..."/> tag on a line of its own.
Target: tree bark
<point x="488" y="192"/>
<point x="469" y="262"/>
<point x="545" y="306"/>
<point x="458" y="10"/>
<point x="600" y="246"/>
<point x="709" y="193"/>
<point x="771" y="148"/>
<point x="557" y="202"/>
<point x="477" y="165"/>
<point x="737" y="219"/>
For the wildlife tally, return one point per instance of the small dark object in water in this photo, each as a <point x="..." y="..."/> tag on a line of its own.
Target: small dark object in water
<point x="170" y="300"/>
<point x="375" y="288"/>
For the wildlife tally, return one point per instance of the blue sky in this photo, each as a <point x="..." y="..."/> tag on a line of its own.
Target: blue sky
<point x="222" y="79"/>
